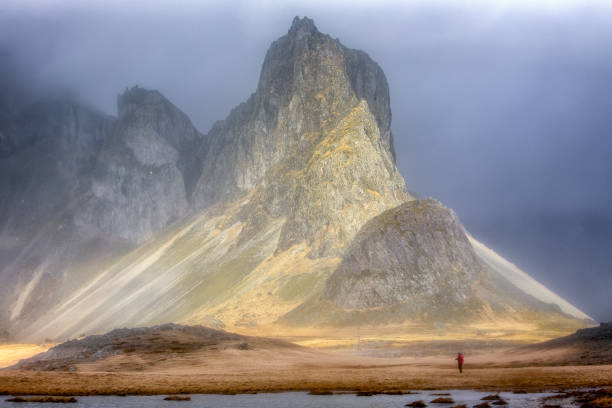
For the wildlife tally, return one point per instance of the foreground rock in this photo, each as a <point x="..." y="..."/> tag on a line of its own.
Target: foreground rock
<point x="443" y="400"/>
<point x="63" y="400"/>
<point x="178" y="398"/>
<point x="600" y="398"/>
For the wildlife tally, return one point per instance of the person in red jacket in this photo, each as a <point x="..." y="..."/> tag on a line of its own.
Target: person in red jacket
<point x="460" y="362"/>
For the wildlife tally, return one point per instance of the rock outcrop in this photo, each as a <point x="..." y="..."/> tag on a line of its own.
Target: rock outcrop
<point x="415" y="253"/>
<point x="166" y="338"/>
<point x="415" y="263"/>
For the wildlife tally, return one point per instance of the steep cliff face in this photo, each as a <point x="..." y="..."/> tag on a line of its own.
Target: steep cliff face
<point x="15" y="96"/>
<point x="308" y="83"/>
<point x="79" y="188"/>
<point x="314" y="142"/>
<point x="55" y="146"/>
<point x="47" y="167"/>
<point x="145" y="171"/>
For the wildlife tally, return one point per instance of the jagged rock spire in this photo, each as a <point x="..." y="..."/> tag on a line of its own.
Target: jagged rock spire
<point x="301" y="27"/>
<point x="308" y="82"/>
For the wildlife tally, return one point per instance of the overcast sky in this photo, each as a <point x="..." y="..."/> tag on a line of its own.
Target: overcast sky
<point x="501" y="109"/>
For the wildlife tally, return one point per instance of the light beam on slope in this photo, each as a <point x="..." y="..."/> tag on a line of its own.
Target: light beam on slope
<point x="522" y="280"/>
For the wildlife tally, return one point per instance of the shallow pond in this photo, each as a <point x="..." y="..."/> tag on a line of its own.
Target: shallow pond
<point x="296" y="400"/>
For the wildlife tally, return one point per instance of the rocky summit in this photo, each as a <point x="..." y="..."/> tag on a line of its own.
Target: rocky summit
<point x="288" y="213"/>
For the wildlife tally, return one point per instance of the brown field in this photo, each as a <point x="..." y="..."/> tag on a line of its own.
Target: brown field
<point x="267" y="366"/>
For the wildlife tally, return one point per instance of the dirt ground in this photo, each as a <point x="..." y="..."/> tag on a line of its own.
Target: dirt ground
<point x="268" y="370"/>
<point x="176" y="360"/>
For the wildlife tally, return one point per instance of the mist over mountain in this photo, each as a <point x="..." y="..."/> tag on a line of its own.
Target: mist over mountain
<point x="522" y="89"/>
<point x="288" y="214"/>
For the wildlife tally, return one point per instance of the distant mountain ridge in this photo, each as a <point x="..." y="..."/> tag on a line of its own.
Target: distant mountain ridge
<point x="588" y="346"/>
<point x="142" y="219"/>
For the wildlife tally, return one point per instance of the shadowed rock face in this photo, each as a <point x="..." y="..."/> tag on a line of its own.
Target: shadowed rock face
<point x="145" y="171"/>
<point x="51" y="161"/>
<point x="48" y="165"/>
<point x="81" y="187"/>
<point x="416" y="252"/>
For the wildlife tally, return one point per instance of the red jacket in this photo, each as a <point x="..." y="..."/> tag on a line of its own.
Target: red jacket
<point x="460" y="359"/>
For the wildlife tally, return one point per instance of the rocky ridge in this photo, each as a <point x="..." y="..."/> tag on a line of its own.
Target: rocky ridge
<point x="142" y="341"/>
<point x="588" y="346"/>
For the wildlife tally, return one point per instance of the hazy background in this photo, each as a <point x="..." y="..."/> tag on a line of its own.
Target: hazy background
<point x="502" y="110"/>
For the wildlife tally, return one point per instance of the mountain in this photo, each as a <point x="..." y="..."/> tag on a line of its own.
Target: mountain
<point x="50" y="149"/>
<point x="80" y="188"/>
<point x="288" y="215"/>
<point x="417" y="260"/>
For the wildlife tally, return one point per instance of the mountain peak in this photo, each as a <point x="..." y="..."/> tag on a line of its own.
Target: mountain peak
<point x="135" y="97"/>
<point x="302" y="26"/>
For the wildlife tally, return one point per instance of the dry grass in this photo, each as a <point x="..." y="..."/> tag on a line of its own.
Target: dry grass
<point x="408" y="334"/>
<point x="244" y="371"/>
<point x="171" y="364"/>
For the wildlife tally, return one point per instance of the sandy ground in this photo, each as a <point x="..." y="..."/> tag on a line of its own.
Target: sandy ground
<point x="242" y="371"/>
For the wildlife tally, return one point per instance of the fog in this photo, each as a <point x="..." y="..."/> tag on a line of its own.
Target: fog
<point x="501" y="110"/>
